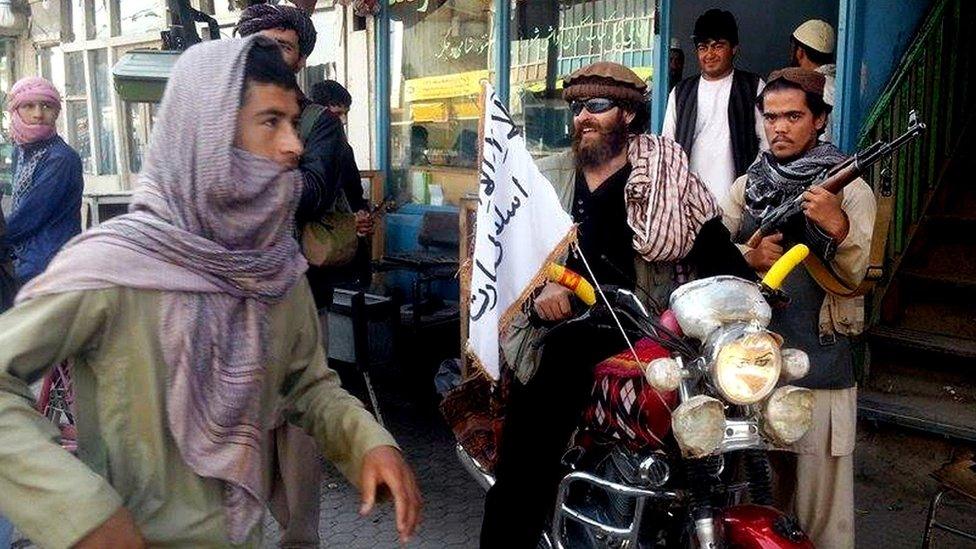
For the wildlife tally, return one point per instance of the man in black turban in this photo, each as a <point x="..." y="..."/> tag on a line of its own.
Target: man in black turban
<point x="290" y="27"/>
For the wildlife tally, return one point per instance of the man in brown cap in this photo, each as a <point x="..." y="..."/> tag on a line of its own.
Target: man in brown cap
<point x="818" y="479"/>
<point x="652" y="244"/>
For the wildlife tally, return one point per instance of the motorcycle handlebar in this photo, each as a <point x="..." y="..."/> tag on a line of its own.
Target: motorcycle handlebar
<point x="784" y="265"/>
<point x="572" y="281"/>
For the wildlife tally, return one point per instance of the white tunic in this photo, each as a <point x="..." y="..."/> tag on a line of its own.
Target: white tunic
<point x="711" y="152"/>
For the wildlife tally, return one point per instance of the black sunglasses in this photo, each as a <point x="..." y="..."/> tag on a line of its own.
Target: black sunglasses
<point x="593" y="106"/>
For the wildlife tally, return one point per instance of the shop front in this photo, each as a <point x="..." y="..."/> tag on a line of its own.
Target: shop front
<point x="432" y="57"/>
<point x="434" y="54"/>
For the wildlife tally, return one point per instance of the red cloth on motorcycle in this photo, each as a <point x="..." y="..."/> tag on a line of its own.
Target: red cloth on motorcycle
<point x="624" y="406"/>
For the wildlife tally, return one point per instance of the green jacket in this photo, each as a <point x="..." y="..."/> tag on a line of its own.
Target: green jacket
<point x="520" y="343"/>
<point x="127" y="455"/>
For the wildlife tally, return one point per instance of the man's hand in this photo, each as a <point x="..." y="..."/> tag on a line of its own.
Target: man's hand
<point x="762" y="257"/>
<point x="385" y="466"/>
<point x="364" y="223"/>
<point x="553" y="303"/>
<point x="823" y="208"/>
<point x="119" y="530"/>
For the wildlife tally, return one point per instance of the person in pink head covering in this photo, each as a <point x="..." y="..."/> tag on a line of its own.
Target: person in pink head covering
<point x="47" y="179"/>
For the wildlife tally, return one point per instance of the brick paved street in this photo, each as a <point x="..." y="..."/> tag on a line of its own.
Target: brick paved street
<point x="892" y="488"/>
<point x="452" y="501"/>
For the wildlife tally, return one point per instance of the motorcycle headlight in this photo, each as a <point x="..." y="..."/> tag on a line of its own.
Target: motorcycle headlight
<point x="663" y="374"/>
<point x="699" y="426"/>
<point x="796" y="364"/>
<point x="746" y="369"/>
<point x="789" y="414"/>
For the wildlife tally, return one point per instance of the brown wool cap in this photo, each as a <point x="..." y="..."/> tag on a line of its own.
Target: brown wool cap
<point x="810" y="81"/>
<point x="604" y="79"/>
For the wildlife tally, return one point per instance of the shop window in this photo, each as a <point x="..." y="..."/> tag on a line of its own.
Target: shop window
<point x="44" y="56"/>
<point x="101" y="94"/>
<point x="100" y="18"/>
<point x="76" y="108"/>
<point x="440" y="51"/>
<point x="225" y="9"/>
<point x="80" y="29"/>
<point x="139" y="17"/>
<point x="140" y="118"/>
<point x="7" y="71"/>
<point x="552" y="39"/>
<point x="89" y="115"/>
<point x="321" y="63"/>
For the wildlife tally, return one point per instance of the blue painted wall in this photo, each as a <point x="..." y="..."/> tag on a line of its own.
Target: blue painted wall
<point x="883" y="30"/>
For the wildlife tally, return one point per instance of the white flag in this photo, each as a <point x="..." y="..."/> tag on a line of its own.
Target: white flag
<point x="520" y="228"/>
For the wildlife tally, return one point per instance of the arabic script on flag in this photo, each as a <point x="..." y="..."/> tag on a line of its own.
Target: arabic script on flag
<point x="521" y="227"/>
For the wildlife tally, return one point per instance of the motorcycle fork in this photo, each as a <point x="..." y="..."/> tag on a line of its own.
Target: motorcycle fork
<point x="702" y="479"/>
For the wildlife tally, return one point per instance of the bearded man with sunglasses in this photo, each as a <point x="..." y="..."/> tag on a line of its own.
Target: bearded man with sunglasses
<point x="645" y="223"/>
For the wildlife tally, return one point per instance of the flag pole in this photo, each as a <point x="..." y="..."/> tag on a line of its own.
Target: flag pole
<point x="464" y="270"/>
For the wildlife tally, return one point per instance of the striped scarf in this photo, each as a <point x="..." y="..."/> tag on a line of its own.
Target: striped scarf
<point x="666" y="203"/>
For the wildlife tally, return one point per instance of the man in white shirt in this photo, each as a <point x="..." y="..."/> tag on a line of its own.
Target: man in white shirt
<point x="812" y="47"/>
<point x="713" y="116"/>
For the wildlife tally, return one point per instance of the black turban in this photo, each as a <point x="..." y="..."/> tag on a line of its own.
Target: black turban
<point x="716" y="24"/>
<point x="261" y="17"/>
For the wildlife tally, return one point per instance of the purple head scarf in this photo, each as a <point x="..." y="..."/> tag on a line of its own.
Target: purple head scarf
<point x="25" y="90"/>
<point x="211" y="226"/>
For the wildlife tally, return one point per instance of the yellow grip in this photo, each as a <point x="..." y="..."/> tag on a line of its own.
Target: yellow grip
<point x="784" y="265"/>
<point x="567" y="278"/>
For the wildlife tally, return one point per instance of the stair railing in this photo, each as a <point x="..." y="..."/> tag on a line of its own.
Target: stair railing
<point x="937" y="77"/>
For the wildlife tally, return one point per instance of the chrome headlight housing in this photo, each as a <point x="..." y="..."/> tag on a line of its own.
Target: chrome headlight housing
<point x="664" y="374"/>
<point x="746" y="369"/>
<point x="788" y="415"/>
<point x="796" y="364"/>
<point x="699" y="426"/>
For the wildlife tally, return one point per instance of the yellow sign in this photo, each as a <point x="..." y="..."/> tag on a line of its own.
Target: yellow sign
<point x="440" y="111"/>
<point x="445" y="86"/>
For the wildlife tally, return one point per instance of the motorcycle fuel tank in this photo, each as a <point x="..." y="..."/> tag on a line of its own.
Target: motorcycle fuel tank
<point x="760" y="527"/>
<point x="624" y="406"/>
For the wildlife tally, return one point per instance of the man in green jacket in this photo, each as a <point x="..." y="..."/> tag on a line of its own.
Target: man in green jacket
<point x="192" y="333"/>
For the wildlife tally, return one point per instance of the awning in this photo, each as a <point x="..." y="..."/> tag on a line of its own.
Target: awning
<point x="140" y="75"/>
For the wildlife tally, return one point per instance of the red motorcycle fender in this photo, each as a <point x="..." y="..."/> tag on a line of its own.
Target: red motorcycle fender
<point x="759" y="527"/>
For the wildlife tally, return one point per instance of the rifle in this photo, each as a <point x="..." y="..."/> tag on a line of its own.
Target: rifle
<point x="839" y="177"/>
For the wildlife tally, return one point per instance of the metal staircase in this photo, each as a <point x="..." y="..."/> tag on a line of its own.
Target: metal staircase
<point x="921" y="367"/>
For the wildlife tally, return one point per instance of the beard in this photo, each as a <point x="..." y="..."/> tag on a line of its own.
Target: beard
<point x="609" y="140"/>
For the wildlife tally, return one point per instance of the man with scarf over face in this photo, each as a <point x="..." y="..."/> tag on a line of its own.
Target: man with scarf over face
<point x="192" y="332"/>
<point x="837" y="228"/>
<point x="47" y="180"/>
<point x="645" y="223"/>
<point x="328" y="167"/>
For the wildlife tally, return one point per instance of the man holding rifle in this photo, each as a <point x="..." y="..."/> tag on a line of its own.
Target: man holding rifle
<point x="818" y="478"/>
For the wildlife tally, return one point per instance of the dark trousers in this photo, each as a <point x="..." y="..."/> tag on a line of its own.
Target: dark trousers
<point x="539" y="421"/>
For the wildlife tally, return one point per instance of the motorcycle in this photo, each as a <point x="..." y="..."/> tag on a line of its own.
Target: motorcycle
<point x="711" y="388"/>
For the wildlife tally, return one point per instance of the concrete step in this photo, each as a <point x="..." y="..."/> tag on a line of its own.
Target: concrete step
<point x="939" y="280"/>
<point x="942" y="310"/>
<point x="893" y="336"/>
<point x="942" y="417"/>
<point x="948" y="258"/>
<point x="960" y="221"/>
